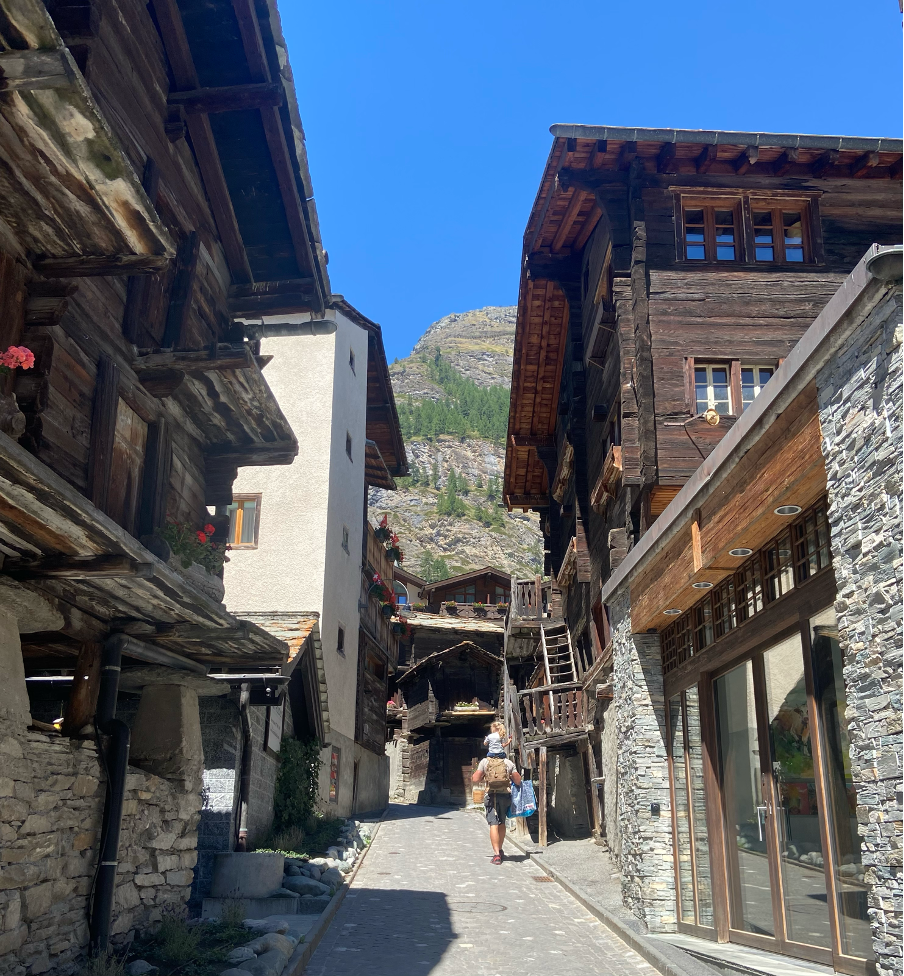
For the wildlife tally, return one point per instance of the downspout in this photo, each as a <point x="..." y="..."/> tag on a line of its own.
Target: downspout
<point x="241" y="843"/>
<point x="115" y="760"/>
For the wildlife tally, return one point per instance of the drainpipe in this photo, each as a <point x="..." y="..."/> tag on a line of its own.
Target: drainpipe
<point x="115" y="760"/>
<point x="241" y="843"/>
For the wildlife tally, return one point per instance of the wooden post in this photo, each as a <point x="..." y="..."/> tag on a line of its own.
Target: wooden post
<point x="85" y="686"/>
<point x="593" y="794"/>
<point x="541" y="799"/>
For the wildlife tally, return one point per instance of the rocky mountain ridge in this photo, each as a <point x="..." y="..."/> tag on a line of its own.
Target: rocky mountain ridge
<point x="478" y="344"/>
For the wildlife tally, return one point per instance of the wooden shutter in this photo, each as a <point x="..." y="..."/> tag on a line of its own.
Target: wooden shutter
<point x="127" y="469"/>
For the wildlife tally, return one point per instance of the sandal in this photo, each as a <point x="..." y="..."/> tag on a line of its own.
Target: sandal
<point x="497" y="859"/>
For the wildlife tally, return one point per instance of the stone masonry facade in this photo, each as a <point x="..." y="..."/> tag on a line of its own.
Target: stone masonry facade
<point x="645" y="855"/>
<point x="860" y="410"/>
<point x="51" y="807"/>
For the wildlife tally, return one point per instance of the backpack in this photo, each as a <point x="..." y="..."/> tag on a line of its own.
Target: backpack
<point x="497" y="776"/>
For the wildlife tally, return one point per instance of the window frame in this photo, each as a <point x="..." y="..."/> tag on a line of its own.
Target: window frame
<point x="778" y="208"/>
<point x="240" y="516"/>
<point x="744" y="202"/>
<point x="735" y="387"/>
<point x="758" y="387"/>
<point x="346" y="539"/>
<point x="709" y="365"/>
<point x="340" y="638"/>
<point x="709" y="205"/>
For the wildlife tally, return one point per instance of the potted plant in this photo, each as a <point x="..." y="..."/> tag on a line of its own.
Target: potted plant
<point x="382" y="531"/>
<point x="387" y="609"/>
<point x="451" y="606"/>
<point x="501" y="607"/>
<point x="196" y="556"/>
<point x="12" y="420"/>
<point x="479" y="608"/>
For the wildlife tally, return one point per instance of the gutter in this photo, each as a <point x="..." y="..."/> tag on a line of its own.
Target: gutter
<point x="115" y="760"/>
<point x="302" y="324"/>
<point x="857" y="296"/>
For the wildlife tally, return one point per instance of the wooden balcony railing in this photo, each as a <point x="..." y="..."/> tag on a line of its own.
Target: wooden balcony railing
<point x="530" y="599"/>
<point x="552" y="710"/>
<point x="376" y="623"/>
<point x="375" y="555"/>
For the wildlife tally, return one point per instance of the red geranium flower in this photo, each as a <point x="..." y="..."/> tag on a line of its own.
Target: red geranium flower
<point x="201" y="537"/>
<point x="209" y="529"/>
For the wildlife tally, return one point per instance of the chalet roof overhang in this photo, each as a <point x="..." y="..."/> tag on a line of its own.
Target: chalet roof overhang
<point x="376" y="473"/>
<point x="383" y="426"/>
<point x="57" y="545"/>
<point x="497" y="574"/>
<point x="426" y="622"/>
<point x="233" y="90"/>
<point x="583" y="161"/>
<point x="68" y="193"/>
<point x="771" y="456"/>
<point x="471" y="651"/>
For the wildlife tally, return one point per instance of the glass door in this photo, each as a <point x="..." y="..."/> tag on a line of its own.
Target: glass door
<point x="777" y="895"/>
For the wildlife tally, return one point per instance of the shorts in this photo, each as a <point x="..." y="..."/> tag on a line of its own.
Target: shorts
<point x="496" y="806"/>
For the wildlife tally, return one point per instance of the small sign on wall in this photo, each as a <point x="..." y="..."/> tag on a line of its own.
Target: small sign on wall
<point x="275" y="726"/>
<point x="334" y="775"/>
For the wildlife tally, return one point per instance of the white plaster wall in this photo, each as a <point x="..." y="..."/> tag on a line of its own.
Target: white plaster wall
<point x="300" y="563"/>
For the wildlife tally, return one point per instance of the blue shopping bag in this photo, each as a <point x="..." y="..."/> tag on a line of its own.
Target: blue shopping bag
<point x="524" y="803"/>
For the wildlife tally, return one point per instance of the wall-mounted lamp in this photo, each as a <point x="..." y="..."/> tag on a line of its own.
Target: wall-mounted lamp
<point x="741" y="551"/>
<point x="788" y="510"/>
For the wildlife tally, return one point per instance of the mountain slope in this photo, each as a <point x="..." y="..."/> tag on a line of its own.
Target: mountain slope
<point x="452" y="389"/>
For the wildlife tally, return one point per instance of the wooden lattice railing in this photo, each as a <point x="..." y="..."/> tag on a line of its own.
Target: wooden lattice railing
<point x="552" y="710"/>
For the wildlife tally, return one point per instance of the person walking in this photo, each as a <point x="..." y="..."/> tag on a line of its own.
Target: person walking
<point x="498" y="774"/>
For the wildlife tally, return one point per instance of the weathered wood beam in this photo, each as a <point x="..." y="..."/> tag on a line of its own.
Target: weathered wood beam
<point x="74" y="568"/>
<point x="587" y="179"/>
<point x="195" y="632"/>
<point x="232" y="98"/>
<point x="587" y="229"/>
<point x="137" y="289"/>
<point x="863" y="164"/>
<point x="34" y="70"/>
<point x="158" y="461"/>
<point x="532" y="440"/>
<point x="272" y="298"/>
<point x="894" y="171"/>
<point x="85" y="686"/>
<point x="527" y="501"/>
<point x="747" y="159"/>
<point x="181" y="292"/>
<point x="784" y="162"/>
<point x="825" y="162"/>
<point x="626" y="155"/>
<point x="554" y="267"/>
<point x="216" y="357"/>
<point x="243" y="455"/>
<point x="93" y="265"/>
<point x="706" y="159"/>
<point x="568" y="219"/>
<point x="667" y="160"/>
<point x="103" y="430"/>
<point x="185" y="76"/>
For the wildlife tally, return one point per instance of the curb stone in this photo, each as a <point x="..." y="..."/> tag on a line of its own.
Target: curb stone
<point x="639" y="943"/>
<point x="303" y="952"/>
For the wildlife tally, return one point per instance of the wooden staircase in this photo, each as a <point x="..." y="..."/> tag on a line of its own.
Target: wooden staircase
<point x="558" y="654"/>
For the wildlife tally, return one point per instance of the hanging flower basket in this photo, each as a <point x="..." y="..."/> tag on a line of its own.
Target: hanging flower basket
<point x="397" y="627"/>
<point x="388" y="610"/>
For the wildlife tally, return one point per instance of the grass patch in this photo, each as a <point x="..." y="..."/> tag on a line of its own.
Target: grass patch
<point x="107" y="963"/>
<point x="312" y="840"/>
<point x="178" y="949"/>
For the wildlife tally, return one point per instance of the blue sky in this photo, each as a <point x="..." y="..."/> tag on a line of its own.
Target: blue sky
<point x="428" y="124"/>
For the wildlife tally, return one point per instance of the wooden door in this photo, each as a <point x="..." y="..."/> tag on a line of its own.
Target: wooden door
<point x="127" y="469"/>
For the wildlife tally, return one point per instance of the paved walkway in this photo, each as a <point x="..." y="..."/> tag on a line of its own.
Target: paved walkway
<point x="428" y="900"/>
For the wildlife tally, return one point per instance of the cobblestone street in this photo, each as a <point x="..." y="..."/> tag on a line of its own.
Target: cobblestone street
<point x="428" y="900"/>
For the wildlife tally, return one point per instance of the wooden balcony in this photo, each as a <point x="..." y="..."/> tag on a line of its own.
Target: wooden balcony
<point x="552" y="712"/>
<point x="530" y="599"/>
<point x="375" y="556"/>
<point x="607" y="483"/>
<point x="376" y="624"/>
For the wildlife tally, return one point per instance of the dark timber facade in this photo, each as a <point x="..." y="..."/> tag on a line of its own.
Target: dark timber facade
<point x="666" y="277"/>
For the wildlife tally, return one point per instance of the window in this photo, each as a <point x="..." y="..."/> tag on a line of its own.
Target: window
<point x="375" y="666"/>
<point x="778" y="235"/>
<point x="348" y="445"/>
<point x="711" y="233"/>
<point x="345" y="537"/>
<point x="351" y="359"/>
<point x="244" y="521"/>
<point x="466" y="595"/>
<point x="753" y="379"/>
<point x="712" y="388"/>
<point x="340" y="640"/>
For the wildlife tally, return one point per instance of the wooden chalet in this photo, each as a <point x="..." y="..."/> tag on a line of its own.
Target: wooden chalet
<point x="154" y="191"/>
<point x="666" y="277"/>
<point x="488" y="586"/>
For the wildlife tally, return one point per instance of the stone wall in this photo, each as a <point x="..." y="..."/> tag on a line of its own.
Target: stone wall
<point x="609" y="772"/>
<point x="860" y="409"/>
<point x="51" y="806"/>
<point x="638" y="709"/>
<point x="221" y="734"/>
